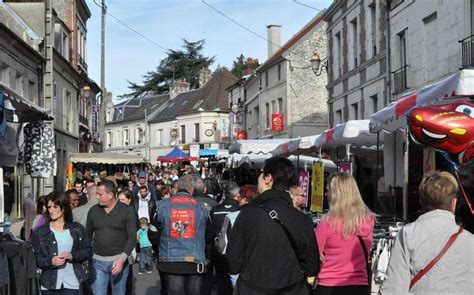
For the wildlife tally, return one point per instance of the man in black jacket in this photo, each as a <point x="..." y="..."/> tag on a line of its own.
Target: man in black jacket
<point x="259" y="247"/>
<point x="213" y="228"/>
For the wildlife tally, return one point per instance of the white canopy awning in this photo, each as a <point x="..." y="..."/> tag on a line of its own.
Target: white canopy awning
<point x="393" y="116"/>
<point x="353" y="132"/>
<point x="264" y="146"/>
<point x="105" y="158"/>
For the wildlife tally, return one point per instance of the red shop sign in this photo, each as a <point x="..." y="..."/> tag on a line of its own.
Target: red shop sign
<point x="278" y="122"/>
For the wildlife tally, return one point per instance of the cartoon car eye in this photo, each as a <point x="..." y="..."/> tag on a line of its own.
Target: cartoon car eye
<point x="465" y="109"/>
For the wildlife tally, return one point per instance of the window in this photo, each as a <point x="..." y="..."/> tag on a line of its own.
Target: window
<point x="400" y="75"/>
<point x="5" y="74"/>
<point x="108" y="139"/>
<point x="183" y="134"/>
<point x="245" y="94"/>
<point x="338" y="117"/>
<point x="372" y="26"/>
<point x="126" y="138"/>
<point x="257" y="116"/>
<point x="65" y="45"/>
<point x="280" y="105"/>
<point x="68" y="112"/>
<point x="430" y="52"/>
<point x="337" y="54"/>
<point x="249" y="119"/>
<point x="260" y="77"/>
<point x="196" y="133"/>
<point x="374" y="104"/>
<point x="402" y="48"/>
<point x="19" y="84"/>
<point x="274" y="110"/>
<point x="354" y="43"/>
<point x="354" y="111"/>
<point x="266" y="78"/>
<point x="279" y="71"/>
<point x="267" y="116"/>
<point x="32" y="94"/>
<point x="160" y="137"/>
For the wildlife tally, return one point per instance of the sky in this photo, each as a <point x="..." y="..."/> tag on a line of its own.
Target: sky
<point x="166" y="22"/>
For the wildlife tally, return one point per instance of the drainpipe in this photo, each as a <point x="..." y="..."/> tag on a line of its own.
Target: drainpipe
<point x="388" y="65"/>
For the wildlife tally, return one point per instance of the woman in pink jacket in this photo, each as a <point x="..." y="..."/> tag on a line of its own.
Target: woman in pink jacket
<point x="344" y="237"/>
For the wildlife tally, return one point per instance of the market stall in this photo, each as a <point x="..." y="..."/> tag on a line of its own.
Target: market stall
<point x="398" y="147"/>
<point x="105" y="158"/>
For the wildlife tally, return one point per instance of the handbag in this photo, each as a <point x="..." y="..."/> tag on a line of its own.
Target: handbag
<point x="435" y="260"/>
<point x="367" y="262"/>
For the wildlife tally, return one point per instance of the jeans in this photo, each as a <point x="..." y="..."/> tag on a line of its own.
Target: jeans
<point x="183" y="284"/>
<point x="60" y="292"/>
<point x="101" y="275"/>
<point x="146" y="259"/>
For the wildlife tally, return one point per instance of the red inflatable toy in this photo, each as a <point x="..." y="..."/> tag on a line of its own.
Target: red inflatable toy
<point x="449" y="128"/>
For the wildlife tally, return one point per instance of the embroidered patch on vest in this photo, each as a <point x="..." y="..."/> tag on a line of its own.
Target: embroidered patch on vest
<point x="182" y="223"/>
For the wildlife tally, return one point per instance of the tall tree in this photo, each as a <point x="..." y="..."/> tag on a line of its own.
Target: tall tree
<point x="241" y="63"/>
<point x="184" y="64"/>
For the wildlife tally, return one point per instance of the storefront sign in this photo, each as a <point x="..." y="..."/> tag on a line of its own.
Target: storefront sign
<point x="278" y="122"/>
<point x="317" y="188"/>
<point x="303" y="182"/>
<point x="241" y="135"/>
<point x="95" y="121"/>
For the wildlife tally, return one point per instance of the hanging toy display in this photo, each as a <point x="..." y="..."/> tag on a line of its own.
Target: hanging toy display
<point x="448" y="128"/>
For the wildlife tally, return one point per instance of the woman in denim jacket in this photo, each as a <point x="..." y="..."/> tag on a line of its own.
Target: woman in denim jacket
<point x="62" y="248"/>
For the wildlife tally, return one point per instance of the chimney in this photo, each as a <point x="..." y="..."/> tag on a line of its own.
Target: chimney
<point x="204" y="76"/>
<point x="178" y="87"/>
<point x="274" y="39"/>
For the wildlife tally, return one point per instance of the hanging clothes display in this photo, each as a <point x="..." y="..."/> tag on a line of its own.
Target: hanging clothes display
<point x="23" y="273"/>
<point x="40" y="151"/>
<point x="4" y="272"/>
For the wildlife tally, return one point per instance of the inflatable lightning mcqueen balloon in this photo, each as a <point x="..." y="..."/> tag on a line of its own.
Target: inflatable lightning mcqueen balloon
<point x="448" y="128"/>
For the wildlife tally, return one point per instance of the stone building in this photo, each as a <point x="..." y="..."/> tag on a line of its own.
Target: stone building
<point x="152" y="126"/>
<point x="285" y="84"/>
<point x="67" y="89"/>
<point x="357" y="59"/>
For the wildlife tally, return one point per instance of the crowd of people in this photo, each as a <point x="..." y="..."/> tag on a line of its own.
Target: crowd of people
<point x="204" y="235"/>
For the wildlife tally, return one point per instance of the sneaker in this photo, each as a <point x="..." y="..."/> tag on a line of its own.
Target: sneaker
<point x="148" y="271"/>
<point x="140" y="272"/>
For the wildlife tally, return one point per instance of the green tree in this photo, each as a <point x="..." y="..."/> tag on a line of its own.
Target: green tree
<point x="184" y="64"/>
<point x="241" y="63"/>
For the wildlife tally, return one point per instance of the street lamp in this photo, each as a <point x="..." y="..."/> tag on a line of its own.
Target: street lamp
<point x="318" y="65"/>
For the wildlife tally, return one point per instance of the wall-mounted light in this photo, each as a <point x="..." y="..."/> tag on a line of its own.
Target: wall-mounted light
<point x="86" y="91"/>
<point x="318" y="65"/>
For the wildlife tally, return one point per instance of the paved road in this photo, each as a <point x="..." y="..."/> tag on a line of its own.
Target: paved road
<point x="147" y="283"/>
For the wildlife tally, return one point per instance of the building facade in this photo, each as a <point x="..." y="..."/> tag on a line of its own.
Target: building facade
<point x="285" y="98"/>
<point x="357" y="59"/>
<point x="152" y="126"/>
<point x="67" y="89"/>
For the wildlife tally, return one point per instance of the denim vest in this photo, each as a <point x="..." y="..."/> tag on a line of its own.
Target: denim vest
<point x="183" y="222"/>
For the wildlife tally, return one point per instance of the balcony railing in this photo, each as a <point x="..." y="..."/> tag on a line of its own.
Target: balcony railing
<point x="81" y="62"/>
<point x="467" y="52"/>
<point x="83" y="120"/>
<point x="400" y="79"/>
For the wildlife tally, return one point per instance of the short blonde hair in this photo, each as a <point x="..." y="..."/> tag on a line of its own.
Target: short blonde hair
<point x="437" y="190"/>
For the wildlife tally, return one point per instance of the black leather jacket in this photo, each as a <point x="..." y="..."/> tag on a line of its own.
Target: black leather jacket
<point x="45" y="248"/>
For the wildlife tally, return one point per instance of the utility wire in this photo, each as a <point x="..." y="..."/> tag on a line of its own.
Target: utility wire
<point x="239" y="24"/>
<point x="165" y="50"/>
<point x="306" y="5"/>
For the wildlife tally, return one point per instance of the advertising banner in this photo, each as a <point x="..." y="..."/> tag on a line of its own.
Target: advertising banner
<point x="345" y="167"/>
<point x="317" y="188"/>
<point x="278" y="122"/>
<point x="303" y="182"/>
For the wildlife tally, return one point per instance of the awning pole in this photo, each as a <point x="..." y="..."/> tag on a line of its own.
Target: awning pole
<point x="405" y="176"/>
<point x="377" y="168"/>
<point x="297" y="162"/>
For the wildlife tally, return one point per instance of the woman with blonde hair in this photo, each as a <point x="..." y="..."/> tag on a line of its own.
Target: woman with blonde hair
<point x="344" y="238"/>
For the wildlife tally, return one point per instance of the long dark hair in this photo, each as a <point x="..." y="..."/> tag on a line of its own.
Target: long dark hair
<point x="60" y="199"/>
<point x="129" y="195"/>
